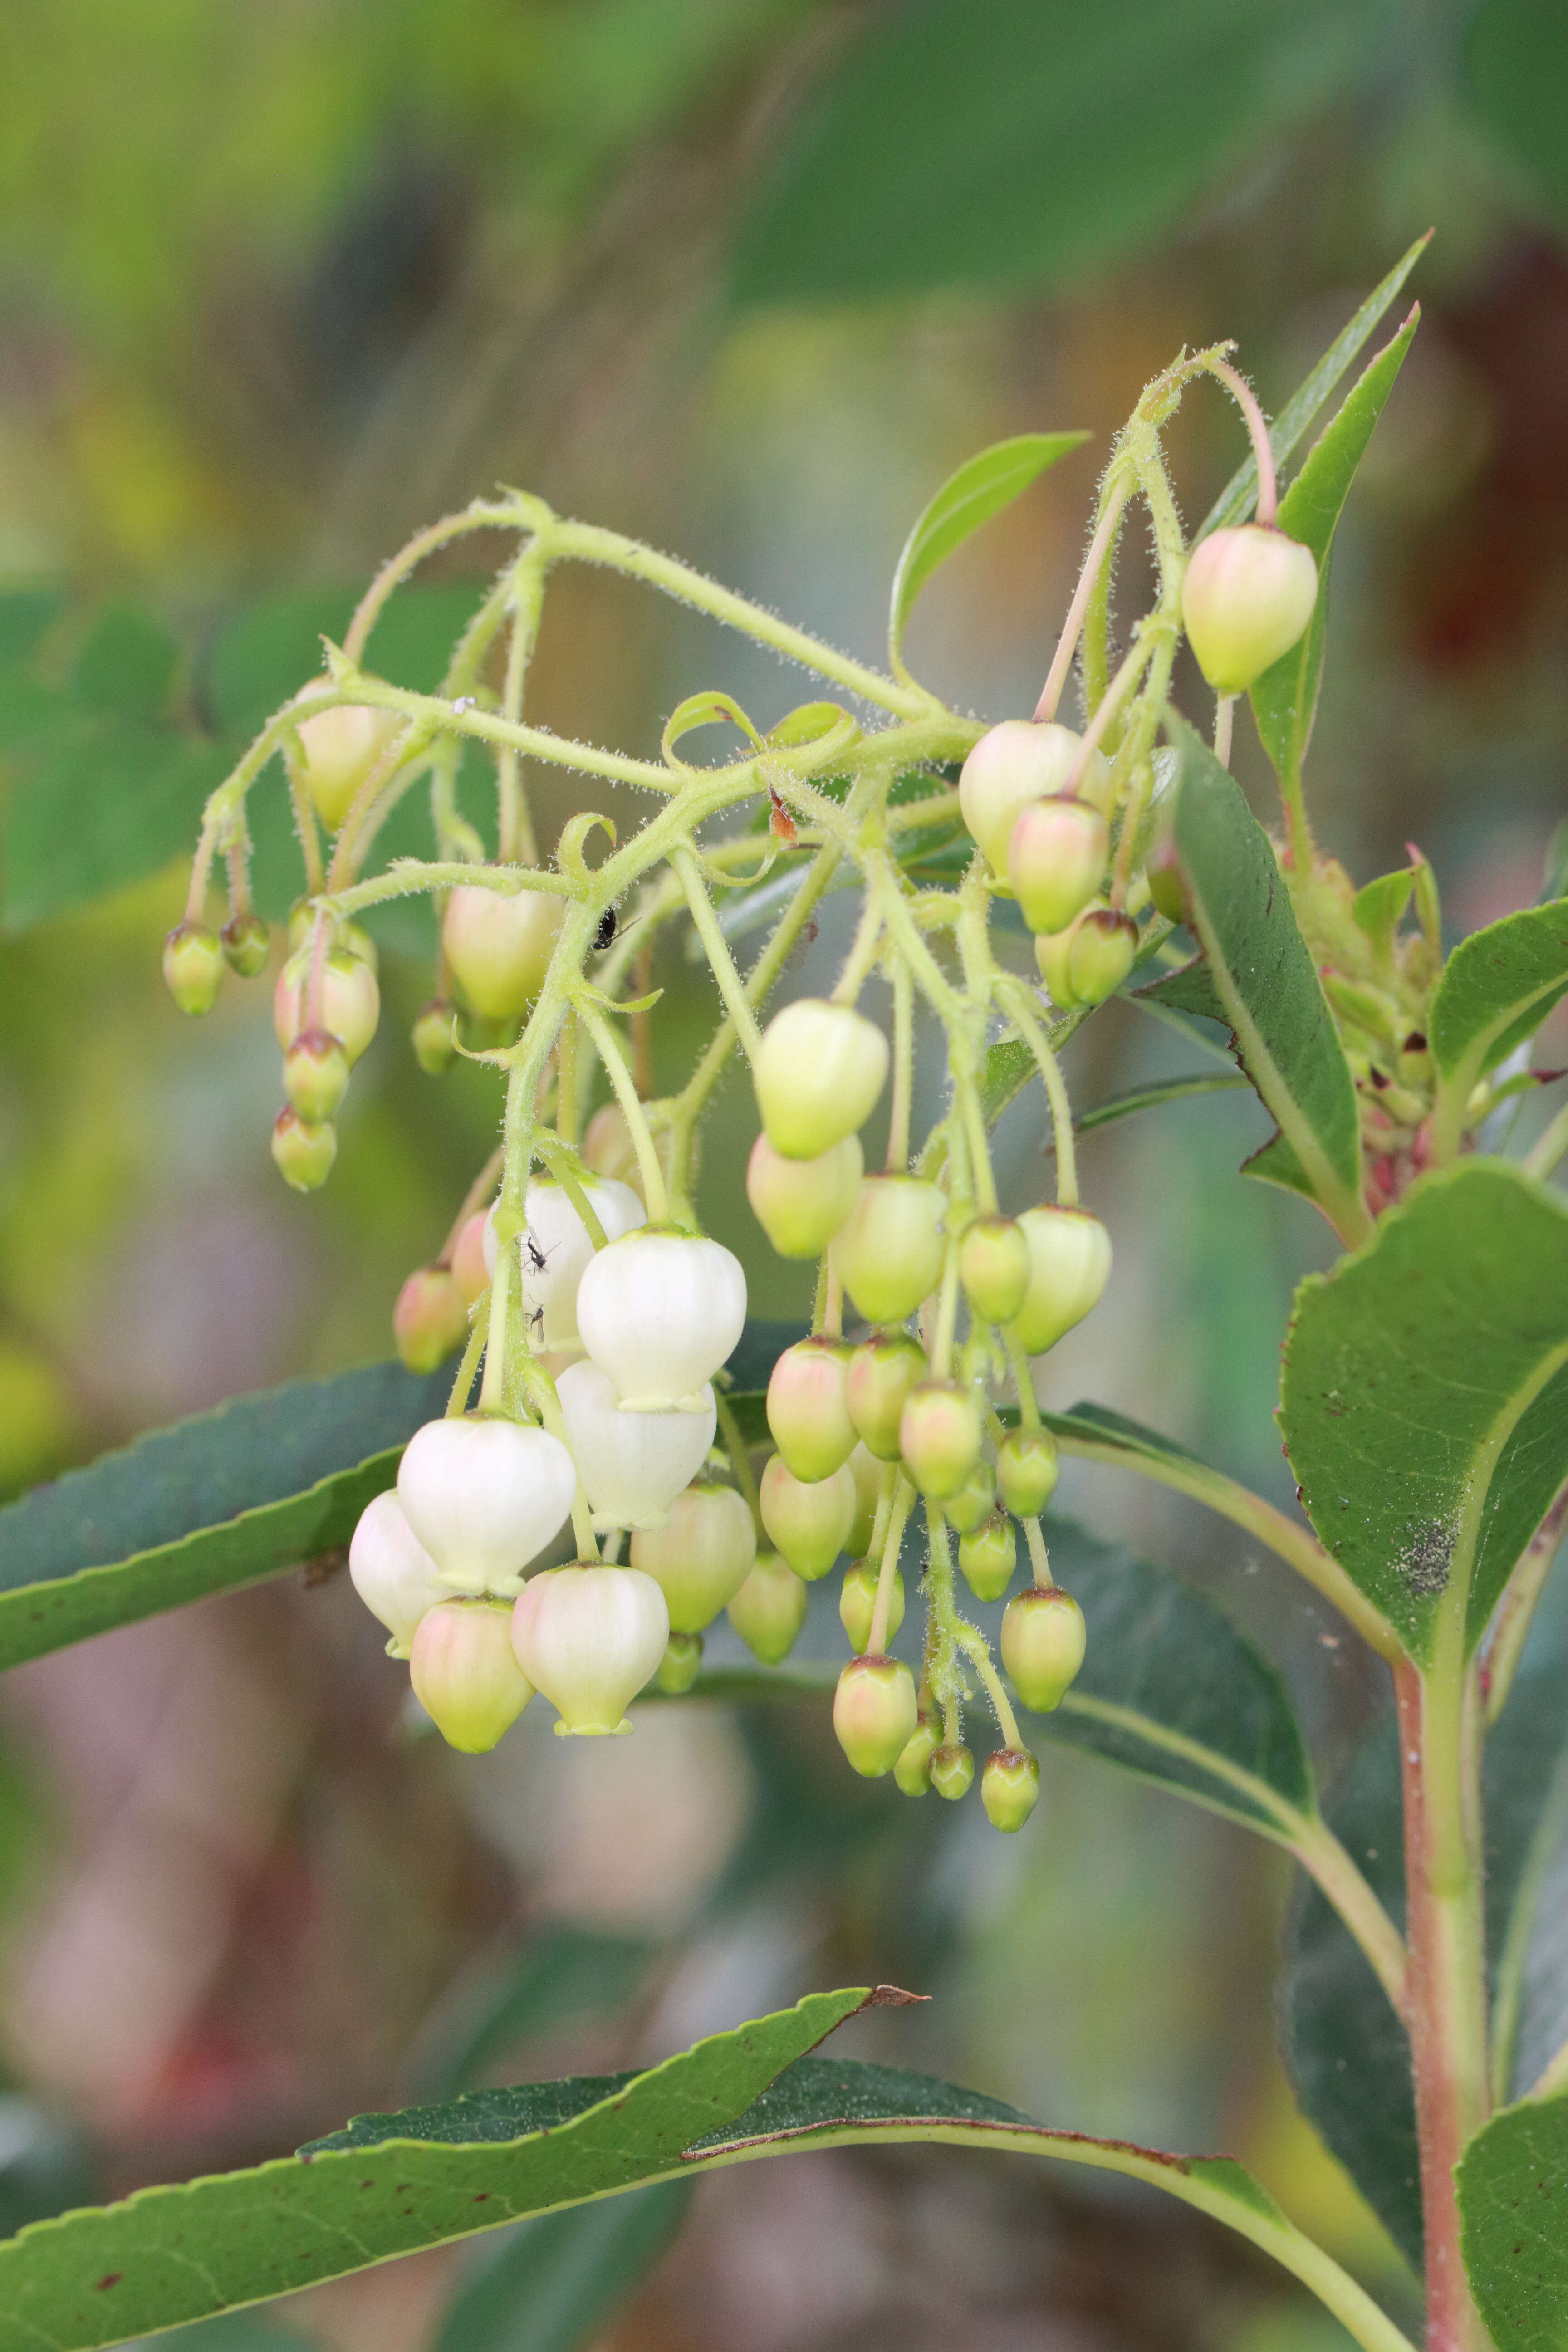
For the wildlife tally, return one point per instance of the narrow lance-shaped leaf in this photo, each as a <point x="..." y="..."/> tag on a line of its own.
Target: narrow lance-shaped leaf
<point x="981" y="488"/>
<point x="1513" y="2194"/>
<point x="1496" y="990"/>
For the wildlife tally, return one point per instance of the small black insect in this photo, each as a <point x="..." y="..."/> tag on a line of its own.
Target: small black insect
<point x="607" y="930"/>
<point x="536" y="1322"/>
<point x="538" y="1259"/>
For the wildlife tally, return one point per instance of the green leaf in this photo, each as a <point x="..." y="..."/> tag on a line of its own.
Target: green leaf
<point x="26" y="616"/>
<point x="558" y="2280"/>
<point x="1527" y="1876"/>
<point x="556" y="1975"/>
<point x="103" y="803"/>
<point x="125" y="666"/>
<point x="982" y="487"/>
<point x="1513" y="2190"/>
<point x="1285" y="698"/>
<point x="391" y="2184"/>
<point x="1496" y="990"/>
<point x="1425" y="1401"/>
<point x="1516" y="71"/>
<point x="1263" y="977"/>
<point x="1152" y="1096"/>
<point x="1022" y="143"/>
<point x="1378" y="909"/>
<point x="271" y="647"/>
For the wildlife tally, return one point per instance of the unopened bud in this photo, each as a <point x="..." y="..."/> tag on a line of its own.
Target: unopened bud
<point x="1056" y="861"/>
<point x="338" y="748"/>
<point x="315" y="1075"/>
<point x="952" y="1772"/>
<point x="809" y="1523"/>
<point x="875" y="1713"/>
<point x="192" y="967"/>
<point x="867" y="1472"/>
<point x="912" y="1770"/>
<point x="988" y="1557"/>
<point x="498" y="945"/>
<point x="940" y="1437"/>
<point x="800" y="1204"/>
<point x="857" y="1602"/>
<point x="807" y="1411"/>
<point x="975" y="1501"/>
<point x="608" y="1148"/>
<point x="680" y="1664"/>
<point x="882" y="1372"/>
<point x="349" y="939"/>
<point x="589" y="1638"/>
<point x="1103" y="951"/>
<point x="818" y="1076"/>
<point x="304" y="1152"/>
<point x="1069" y="1265"/>
<point x="1053" y="953"/>
<point x="1027" y="1467"/>
<point x="889" y="1254"/>
<point x="700" y="1557"/>
<point x="464" y="1675"/>
<point x="993" y="1267"/>
<point x="470" y="1271"/>
<point x="769" y="1610"/>
<point x="430" y="1320"/>
<point x="247" y="943"/>
<point x="350" y="1003"/>
<point x="432" y="1036"/>
<point x="1017" y="763"/>
<point x="1166" y="887"/>
<point x="1042" y="1644"/>
<point x="1247" y="597"/>
<point x="1009" y="1788"/>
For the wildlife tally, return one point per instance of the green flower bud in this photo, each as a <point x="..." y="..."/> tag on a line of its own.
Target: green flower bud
<point x="1056" y="861"/>
<point x="912" y="1770"/>
<point x="769" y="1610"/>
<point x="350" y="1001"/>
<point x="800" y="1203"/>
<point x="952" y="1772"/>
<point x="338" y="748"/>
<point x="192" y="967"/>
<point x="701" y="1555"/>
<point x="807" y="1411"/>
<point x="430" y="1320"/>
<point x="498" y="945"/>
<point x="857" y="1599"/>
<point x="809" y="1523"/>
<point x="867" y="1472"/>
<point x="304" y="1152"/>
<point x="465" y="1675"/>
<point x="817" y="1076"/>
<point x="1028" y="1469"/>
<point x="874" y="1713"/>
<point x="1246" y="598"/>
<point x="432" y="1036"/>
<point x="989" y="1555"/>
<point x="1019" y="761"/>
<point x="882" y="1372"/>
<point x="247" y="943"/>
<point x="1009" y="1788"/>
<point x="315" y="1075"/>
<point x="1103" y="951"/>
<point x="680" y="1664"/>
<point x="1166" y="887"/>
<point x="1042" y="1644"/>
<point x="1070" y="1264"/>
<point x="975" y="1501"/>
<point x="889" y="1255"/>
<point x="1053" y="953"/>
<point x="348" y="938"/>
<point x="940" y="1437"/>
<point x="993" y="1267"/>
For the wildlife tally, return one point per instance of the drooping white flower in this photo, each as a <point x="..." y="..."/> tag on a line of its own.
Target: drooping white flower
<point x="660" y="1312"/>
<point x="556" y="1249"/>
<point x="632" y="1464"/>
<point x="484" y="1497"/>
<point x="393" y="1573"/>
<point x="589" y="1638"/>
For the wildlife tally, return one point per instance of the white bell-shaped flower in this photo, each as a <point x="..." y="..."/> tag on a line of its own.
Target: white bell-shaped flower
<point x="484" y="1497"/>
<point x="632" y="1464"/>
<point x="660" y="1312"/>
<point x="393" y="1573"/>
<point x="556" y="1251"/>
<point x="589" y="1638"/>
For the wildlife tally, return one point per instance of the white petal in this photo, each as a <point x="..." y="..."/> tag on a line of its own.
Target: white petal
<point x="484" y="1497"/>
<point x="632" y="1464"/>
<point x="589" y="1638"/>
<point x="660" y="1312"/>
<point x="393" y="1573"/>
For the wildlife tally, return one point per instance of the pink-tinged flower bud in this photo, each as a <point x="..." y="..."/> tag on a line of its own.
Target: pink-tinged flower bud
<point x="350" y="1001"/>
<point x="1027" y="1467"/>
<point x="192" y="967"/>
<point x="1042" y="1644"/>
<point x="857" y="1602"/>
<point x="1103" y="951"/>
<point x="952" y="1772"/>
<point x="993" y="1267"/>
<point x="304" y="1154"/>
<point x="557" y="1251"/>
<point x="988" y="1556"/>
<point x="393" y="1573"/>
<point x="465" y="1675"/>
<point x="1017" y="763"/>
<point x="1056" y="861"/>
<point x="351" y="939"/>
<point x="817" y="1076"/>
<point x="1166" y="887"/>
<point x="469" y="1270"/>
<point x="800" y="1204"/>
<point x="1247" y="596"/>
<point x="484" y="1497"/>
<point x="315" y="1075"/>
<point x="1069" y="1265"/>
<point x="660" y="1312"/>
<point x="589" y="1638"/>
<point x="875" y="1714"/>
<point x="338" y="749"/>
<point x="940" y="1437"/>
<point x="1053" y="953"/>
<point x="912" y="1770"/>
<point x="608" y="1148"/>
<point x="433" y="1036"/>
<point x="769" y="1610"/>
<point x="680" y="1664"/>
<point x="807" y="1411"/>
<point x="498" y="945"/>
<point x="882" y="1372"/>
<point x="632" y="1464"/>
<point x="975" y="1501"/>
<point x="889" y="1254"/>
<point x="701" y="1555"/>
<point x="246" y="944"/>
<point x="810" y="1524"/>
<point x="430" y="1320"/>
<point x="1009" y="1788"/>
<point x="867" y="1472"/>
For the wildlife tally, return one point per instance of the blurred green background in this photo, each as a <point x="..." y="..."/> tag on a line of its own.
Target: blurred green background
<point x="745" y="277"/>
